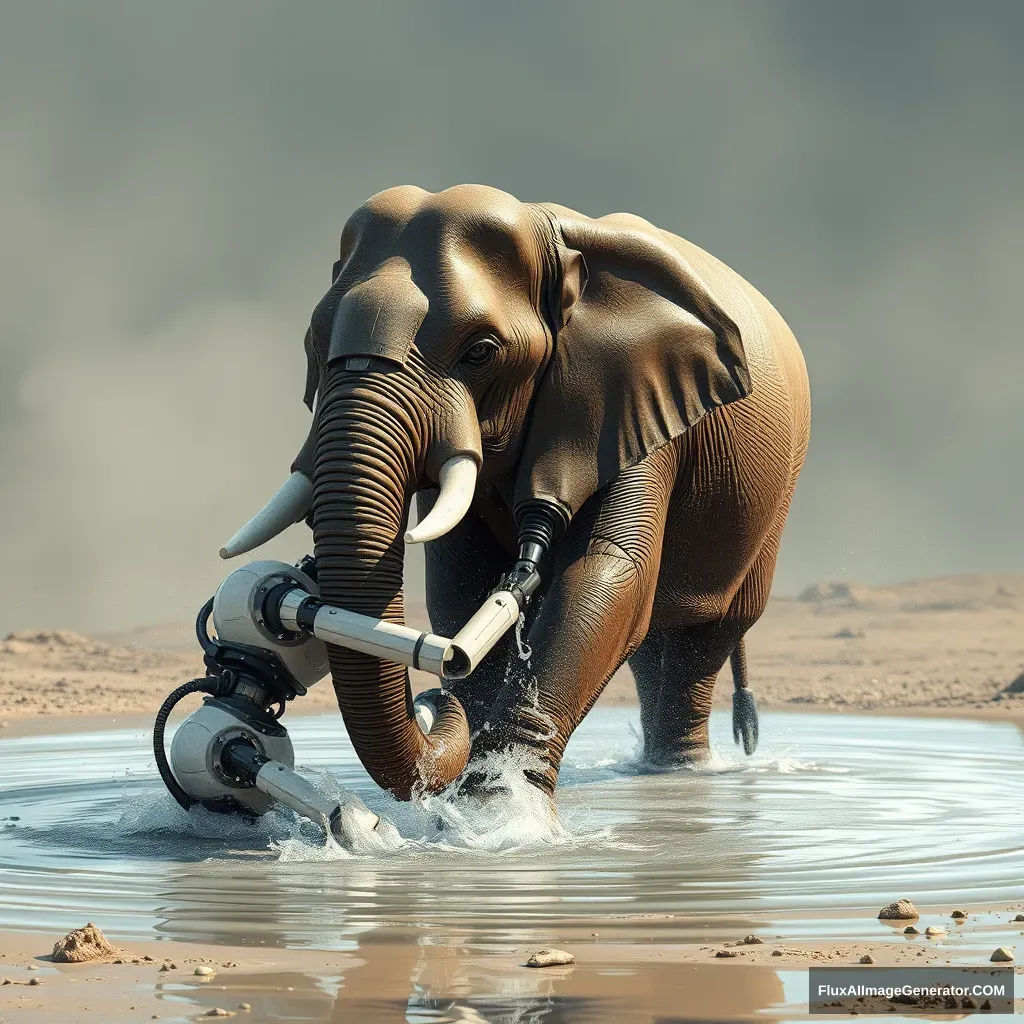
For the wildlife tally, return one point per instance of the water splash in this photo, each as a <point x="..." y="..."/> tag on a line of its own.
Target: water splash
<point x="525" y="651"/>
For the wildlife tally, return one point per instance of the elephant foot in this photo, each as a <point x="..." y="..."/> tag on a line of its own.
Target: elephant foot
<point x="682" y="754"/>
<point x="497" y="791"/>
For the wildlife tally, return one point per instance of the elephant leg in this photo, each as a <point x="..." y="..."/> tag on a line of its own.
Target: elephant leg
<point x="675" y="671"/>
<point x="462" y="568"/>
<point x="594" y="615"/>
<point x="676" y="668"/>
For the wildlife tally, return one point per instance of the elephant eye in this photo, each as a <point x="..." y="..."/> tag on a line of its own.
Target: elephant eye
<point x="480" y="352"/>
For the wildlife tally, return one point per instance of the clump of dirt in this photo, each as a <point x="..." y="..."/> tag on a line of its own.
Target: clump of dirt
<point x="85" y="944"/>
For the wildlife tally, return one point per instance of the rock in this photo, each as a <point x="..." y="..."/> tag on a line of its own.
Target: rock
<point x="1002" y="955"/>
<point x="867" y="958"/>
<point x="1017" y="686"/>
<point x="244" y="1006"/>
<point x="724" y="953"/>
<point x="34" y="981"/>
<point x="959" y="915"/>
<point x="776" y="952"/>
<point x="218" y="1011"/>
<point x="202" y="971"/>
<point x="1019" y="917"/>
<point x="550" y="958"/>
<point x="934" y="930"/>
<point x="165" y="967"/>
<point x="84" y="944"/>
<point x="32" y="967"/>
<point x="148" y="959"/>
<point x="910" y="930"/>
<point x="901" y="910"/>
<point x="752" y="940"/>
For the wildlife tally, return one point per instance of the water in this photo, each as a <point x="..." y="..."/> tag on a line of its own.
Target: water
<point x="834" y="814"/>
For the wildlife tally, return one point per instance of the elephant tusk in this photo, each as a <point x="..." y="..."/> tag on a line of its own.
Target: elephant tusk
<point x="458" y="484"/>
<point x="291" y="504"/>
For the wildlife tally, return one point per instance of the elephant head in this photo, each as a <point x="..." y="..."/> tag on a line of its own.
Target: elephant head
<point x="469" y="335"/>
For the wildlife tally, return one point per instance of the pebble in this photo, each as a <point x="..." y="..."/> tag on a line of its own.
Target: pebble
<point x="934" y="930"/>
<point x="910" y="930"/>
<point x="202" y="971"/>
<point x="218" y="1011"/>
<point x="901" y="910"/>
<point x="959" y="914"/>
<point x="776" y="952"/>
<point x="164" y="967"/>
<point x="244" y="1006"/>
<point x="32" y="967"/>
<point x="1019" y="917"/>
<point x="36" y="981"/>
<point x="550" y="958"/>
<point x="867" y="958"/>
<point x="726" y="953"/>
<point x="752" y="940"/>
<point x="1002" y="955"/>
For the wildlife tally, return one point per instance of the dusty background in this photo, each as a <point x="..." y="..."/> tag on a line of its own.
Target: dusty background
<point x="174" y="179"/>
<point x="950" y="643"/>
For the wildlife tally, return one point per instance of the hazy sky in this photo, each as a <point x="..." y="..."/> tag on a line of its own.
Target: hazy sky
<point x="174" y="178"/>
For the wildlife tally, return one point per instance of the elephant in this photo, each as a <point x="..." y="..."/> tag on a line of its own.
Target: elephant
<point x="490" y="357"/>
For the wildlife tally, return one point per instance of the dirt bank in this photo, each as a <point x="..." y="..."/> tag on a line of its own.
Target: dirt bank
<point x="951" y="645"/>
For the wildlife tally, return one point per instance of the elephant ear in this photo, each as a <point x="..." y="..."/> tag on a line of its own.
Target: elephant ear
<point x="642" y="351"/>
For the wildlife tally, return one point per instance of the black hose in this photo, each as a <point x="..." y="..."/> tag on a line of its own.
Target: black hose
<point x="205" y="685"/>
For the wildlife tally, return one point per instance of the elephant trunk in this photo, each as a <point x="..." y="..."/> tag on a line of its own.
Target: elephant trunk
<point x="373" y="436"/>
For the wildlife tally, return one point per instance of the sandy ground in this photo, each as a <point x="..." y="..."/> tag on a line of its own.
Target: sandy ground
<point x="954" y="643"/>
<point x="636" y="982"/>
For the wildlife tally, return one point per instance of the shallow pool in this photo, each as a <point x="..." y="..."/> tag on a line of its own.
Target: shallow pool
<point x="835" y="813"/>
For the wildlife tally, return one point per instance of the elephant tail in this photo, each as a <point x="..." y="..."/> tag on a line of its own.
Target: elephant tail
<point x="744" y="709"/>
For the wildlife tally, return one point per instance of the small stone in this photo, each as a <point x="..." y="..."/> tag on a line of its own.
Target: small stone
<point x="867" y="958"/>
<point x="934" y="930"/>
<point x="959" y="915"/>
<point x="776" y="952"/>
<point x="34" y="981"/>
<point x="148" y="959"/>
<point x="910" y="930"/>
<point x="901" y="910"/>
<point x="244" y="1006"/>
<point x="987" y="1005"/>
<point x="165" y="967"/>
<point x="723" y="953"/>
<point x="752" y="940"/>
<point x="202" y="971"/>
<point x="550" y="958"/>
<point x="968" y="1003"/>
<point x="1002" y="955"/>
<point x="7" y="981"/>
<point x="32" y="967"/>
<point x="218" y="1011"/>
<point x="1019" y="917"/>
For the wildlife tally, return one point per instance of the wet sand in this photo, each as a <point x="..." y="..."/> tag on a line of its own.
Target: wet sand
<point x="395" y="974"/>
